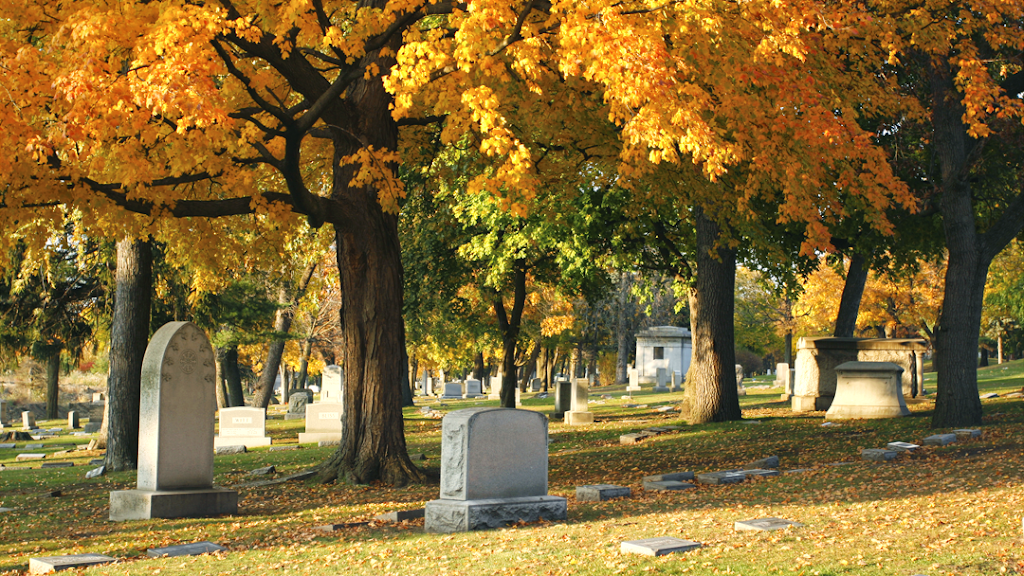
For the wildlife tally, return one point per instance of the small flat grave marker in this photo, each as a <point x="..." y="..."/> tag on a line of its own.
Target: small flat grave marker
<point x="667" y="485"/>
<point x="47" y="564"/>
<point x="878" y="454"/>
<point x="282" y="448"/>
<point x="656" y="430"/>
<point x="2" y="510"/>
<point x="194" y="549"/>
<point x="761" y="473"/>
<point x="96" y="472"/>
<point x="659" y="546"/>
<point x="64" y="464"/>
<point x="400" y="515"/>
<point x="798" y="470"/>
<point x="967" y="433"/>
<point x="336" y="527"/>
<point x="902" y="446"/>
<point x="990" y="395"/>
<point x="601" y="492"/>
<point x="29" y="456"/>
<point x="680" y="476"/>
<point x="633" y="438"/>
<point x="34" y="446"/>
<point x="764" y="524"/>
<point x="939" y="439"/>
<point x="724" y="477"/>
<point x="769" y="462"/>
<point x="223" y="450"/>
<point x="7" y="445"/>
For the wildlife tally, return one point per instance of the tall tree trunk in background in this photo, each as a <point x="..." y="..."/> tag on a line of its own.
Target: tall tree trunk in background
<point x="307" y="349"/>
<point x="407" y="393"/>
<point x="282" y="324"/>
<point x="232" y="376"/>
<point x="478" y="367"/>
<point x="789" y="349"/>
<point x="221" y="390"/>
<point x="853" y="291"/>
<point x="529" y="367"/>
<point x="970" y="254"/>
<point x="711" y="394"/>
<point x="623" y="333"/>
<point x="129" y="336"/>
<point x="508" y="325"/>
<point x="52" y="383"/>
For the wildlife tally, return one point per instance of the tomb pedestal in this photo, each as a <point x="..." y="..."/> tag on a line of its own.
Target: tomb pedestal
<point x="145" y="504"/>
<point x="464" y="515"/>
<point x="868" y="390"/>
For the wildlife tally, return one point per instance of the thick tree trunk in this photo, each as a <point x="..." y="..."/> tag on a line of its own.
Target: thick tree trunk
<point x="849" y="302"/>
<point x="53" y="383"/>
<point x="307" y="349"/>
<point x="129" y="336"/>
<point x="478" y="367"/>
<point x="711" y="394"/>
<point x="221" y="390"/>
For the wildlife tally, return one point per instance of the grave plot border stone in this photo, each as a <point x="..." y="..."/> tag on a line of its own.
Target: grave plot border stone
<point x="659" y="546"/>
<point x="678" y="476"/>
<point x="878" y="454"/>
<point x="967" y="433"/>
<point x="47" y="564"/>
<point x="193" y="549"/>
<point x="760" y="473"/>
<point x="902" y="446"/>
<point x="939" y="440"/>
<point x="764" y="524"/>
<point x="601" y="492"/>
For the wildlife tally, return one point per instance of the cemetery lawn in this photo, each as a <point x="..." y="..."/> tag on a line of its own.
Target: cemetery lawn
<point x="941" y="510"/>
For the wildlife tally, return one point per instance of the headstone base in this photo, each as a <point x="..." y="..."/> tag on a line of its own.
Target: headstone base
<point x="447" y="516"/>
<point x="247" y="441"/>
<point x="632" y="388"/>
<point x="573" y="418"/>
<point x="290" y="416"/>
<point x="784" y="397"/>
<point x="317" y="437"/>
<point x="661" y="389"/>
<point x="811" y="403"/>
<point x="146" y="504"/>
<point x="601" y="492"/>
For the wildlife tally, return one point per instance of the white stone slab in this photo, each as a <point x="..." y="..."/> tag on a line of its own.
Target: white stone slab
<point x="764" y="524"/>
<point x="331" y="389"/>
<point x="29" y="456"/>
<point x="659" y="546"/>
<point x="902" y="446"/>
<point x="47" y="564"/>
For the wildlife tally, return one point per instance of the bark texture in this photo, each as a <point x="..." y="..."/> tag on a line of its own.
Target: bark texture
<point x="509" y="323"/>
<point x="53" y="384"/>
<point x="129" y="336"/>
<point x="282" y="324"/>
<point x="853" y="291"/>
<point x="711" y="394"/>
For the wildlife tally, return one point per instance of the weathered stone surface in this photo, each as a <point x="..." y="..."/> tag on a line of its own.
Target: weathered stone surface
<point x="764" y="524"/>
<point x="34" y="446"/>
<point x="193" y="549"/>
<point x="678" y="476"/>
<point x="29" y="456"/>
<point x="323" y="422"/>
<point x="7" y="445"/>
<point x="325" y="443"/>
<point x="659" y="546"/>
<point x="332" y="385"/>
<point x="283" y="448"/>
<point x="400" y="515"/>
<point x="563" y="397"/>
<point x="769" y="462"/>
<point x="967" y="433"/>
<point x="878" y="454"/>
<point x="723" y="477"/>
<point x="600" y="492"/>
<point x="96" y="472"/>
<point x="176" y="425"/>
<point x="868" y="390"/>
<point x="296" y="406"/>
<point x="146" y="504"/>
<point x="474" y="389"/>
<point x="47" y="564"/>
<point x="446" y="516"/>
<point x="902" y="446"/>
<point x="472" y="465"/>
<point x="228" y="450"/>
<point x="989" y="396"/>
<point x="263" y="471"/>
<point x="634" y="438"/>
<point x="666" y="485"/>
<point x="939" y="439"/>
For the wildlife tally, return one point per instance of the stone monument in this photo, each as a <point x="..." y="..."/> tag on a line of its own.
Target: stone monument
<point x="868" y="390"/>
<point x="28" y="420"/>
<point x="563" y="397"/>
<point x="242" y="426"/>
<point x="331" y="388"/>
<point x="473" y="389"/>
<point x="324" y="423"/>
<point x="488" y="481"/>
<point x="296" y="406"/>
<point x="578" y="414"/>
<point x="176" y="411"/>
<point x="740" y="389"/>
<point x="667" y="347"/>
<point x="661" y="379"/>
<point x="73" y="423"/>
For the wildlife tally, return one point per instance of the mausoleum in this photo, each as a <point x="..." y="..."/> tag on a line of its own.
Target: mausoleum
<point x="668" y="347"/>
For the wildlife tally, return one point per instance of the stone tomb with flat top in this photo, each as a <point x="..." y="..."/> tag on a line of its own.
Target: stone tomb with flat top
<point x="176" y="421"/>
<point x="488" y="481"/>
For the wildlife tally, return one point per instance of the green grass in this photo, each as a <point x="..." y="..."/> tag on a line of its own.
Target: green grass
<point x="950" y="510"/>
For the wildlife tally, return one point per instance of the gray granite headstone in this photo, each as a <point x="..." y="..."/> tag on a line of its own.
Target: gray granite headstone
<point x="902" y="446"/>
<point x="563" y="397"/>
<point x="63" y="464"/>
<point x="28" y="420"/>
<point x="487" y="481"/>
<point x="723" y="477"/>
<point x="769" y="462"/>
<point x="296" y="406"/>
<point x="579" y="412"/>
<point x="29" y="456"/>
<point x="678" y="476"/>
<point x="666" y="485"/>
<point x="600" y="492"/>
<point x="659" y="546"/>
<point x="176" y="422"/>
<point x="452" y="390"/>
<point x="967" y="433"/>
<point x="473" y="389"/>
<point x="764" y="524"/>
<point x="46" y="564"/>
<point x="73" y="422"/>
<point x="8" y="445"/>
<point x="193" y="549"/>
<point x="878" y="454"/>
<point x="760" y="473"/>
